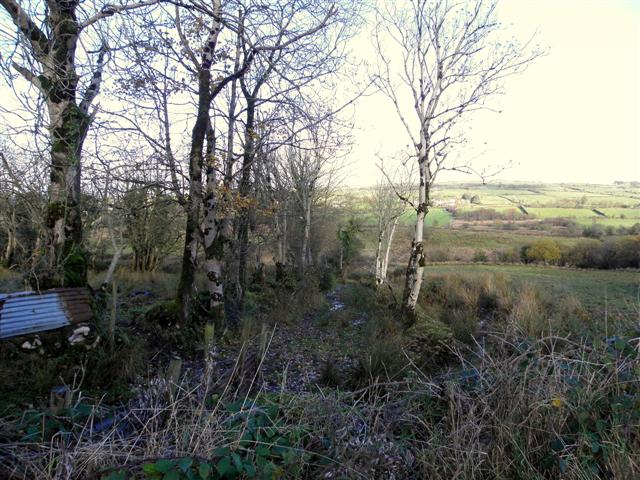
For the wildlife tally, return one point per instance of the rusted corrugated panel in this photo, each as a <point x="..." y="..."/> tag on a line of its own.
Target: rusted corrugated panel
<point x="24" y="313"/>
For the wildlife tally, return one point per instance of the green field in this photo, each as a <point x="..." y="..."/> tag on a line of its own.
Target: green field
<point x="619" y="204"/>
<point x="598" y="290"/>
<point x="438" y="217"/>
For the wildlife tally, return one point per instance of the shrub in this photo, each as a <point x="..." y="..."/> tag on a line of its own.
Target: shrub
<point x="427" y="340"/>
<point x="327" y="279"/>
<point x="544" y="250"/>
<point x="437" y="255"/>
<point x="475" y="199"/>
<point x="584" y="254"/>
<point x="593" y="231"/>
<point x="511" y="255"/>
<point x="480" y="256"/>
<point x="621" y="252"/>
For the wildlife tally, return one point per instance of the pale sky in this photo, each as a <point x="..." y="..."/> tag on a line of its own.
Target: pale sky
<point x="573" y="116"/>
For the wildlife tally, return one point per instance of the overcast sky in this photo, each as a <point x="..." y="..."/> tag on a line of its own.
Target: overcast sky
<point x="573" y="116"/>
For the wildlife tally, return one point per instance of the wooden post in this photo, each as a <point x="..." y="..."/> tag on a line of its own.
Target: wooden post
<point x="173" y="372"/>
<point x="59" y="399"/>
<point x="209" y="334"/>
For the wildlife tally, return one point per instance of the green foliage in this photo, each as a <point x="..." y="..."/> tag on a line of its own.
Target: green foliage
<point x="39" y="426"/>
<point x="617" y="252"/>
<point x="594" y="231"/>
<point x="427" y="340"/>
<point x="258" y="444"/>
<point x="348" y="238"/>
<point x="75" y="266"/>
<point x="480" y="256"/>
<point x="24" y="375"/>
<point x="327" y="280"/>
<point x="162" y="314"/>
<point x="544" y="250"/>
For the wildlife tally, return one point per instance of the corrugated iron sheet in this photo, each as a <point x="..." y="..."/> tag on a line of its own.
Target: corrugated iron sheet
<point x="23" y="313"/>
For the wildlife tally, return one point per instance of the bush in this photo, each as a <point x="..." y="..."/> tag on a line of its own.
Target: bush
<point x="511" y="255"/>
<point x="475" y="199"/>
<point x="593" y="231"/>
<point x="480" y="256"/>
<point x="584" y="254"/>
<point x="437" y="255"/>
<point x="621" y="252"/>
<point x="544" y="250"/>
<point x="427" y="340"/>
<point x="327" y="280"/>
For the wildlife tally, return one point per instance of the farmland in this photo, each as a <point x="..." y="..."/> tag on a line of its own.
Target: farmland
<point x="489" y="236"/>
<point x="601" y="292"/>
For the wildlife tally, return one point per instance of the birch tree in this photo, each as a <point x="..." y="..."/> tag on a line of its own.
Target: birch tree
<point x="214" y="227"/>
<point x="438" y="62"/>
<point x="388" y="202"/>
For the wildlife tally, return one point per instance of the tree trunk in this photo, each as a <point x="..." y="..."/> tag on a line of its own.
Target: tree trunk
<point x="378" y="276"/>
<point x="12" y="239"/>
<point x="242" y="236"/>
<point x="385" y="261"/>
<point x="112" y="267"/>
<point x="305" y="250"/>
<point x="192" y="231"/>
<point x="282" y="241"/>
<point x="214" y="240"/>
<point x="65" y="260"/>
<point x="68" y="126"/>
<point x="415" y="267"/>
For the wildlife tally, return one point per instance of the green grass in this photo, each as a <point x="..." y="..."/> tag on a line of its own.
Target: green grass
<point x="542" y="200"/>
<point x="543" y="194"/>
<point x="615" y="291"/>
<point x="487" y="239"/>
<point x="436" y="216"/>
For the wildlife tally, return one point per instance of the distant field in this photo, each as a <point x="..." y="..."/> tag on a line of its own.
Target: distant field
<point x="620" y="204"/>
<point x="618" y="291"/>
<point x="436" y="217"/>
<point x="544" y="194"/>
<point x="489" y="239"/>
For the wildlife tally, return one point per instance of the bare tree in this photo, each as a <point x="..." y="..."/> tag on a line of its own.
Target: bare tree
<point x="389" y="202"/>
<point x="310" y="169"/>
<point x="439" y="61"/>
<point x="214" y="225"/>
<point x="48" y="35"/>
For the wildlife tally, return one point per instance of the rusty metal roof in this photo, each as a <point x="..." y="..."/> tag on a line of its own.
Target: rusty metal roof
<point x="23" y="313"/>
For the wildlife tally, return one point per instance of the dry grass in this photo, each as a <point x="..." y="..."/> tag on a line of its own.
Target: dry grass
<point x="547" y="409"/>
<point x="10" y="280"/>
<point x="520" y="398"/>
